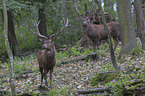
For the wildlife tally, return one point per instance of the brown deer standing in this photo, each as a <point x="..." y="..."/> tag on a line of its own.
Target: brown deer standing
<point x="97" y="32"/>
<point x="46" y="58"/>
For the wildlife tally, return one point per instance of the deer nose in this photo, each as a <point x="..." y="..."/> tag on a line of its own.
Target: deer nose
<point x="44" y="46"/>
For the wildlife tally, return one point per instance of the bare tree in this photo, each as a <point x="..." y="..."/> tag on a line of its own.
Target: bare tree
<point x="140" y="21"/>
<point x="128" y="36"/>
<point x="9" y="52"/>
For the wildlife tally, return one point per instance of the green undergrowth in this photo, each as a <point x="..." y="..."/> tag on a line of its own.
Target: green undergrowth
<point x="103" y="78"/>
<point x="63" y="91"/>
<point x="131" y="68"/>
<point x="72" y="53"/>
<point x="21" y="64"/>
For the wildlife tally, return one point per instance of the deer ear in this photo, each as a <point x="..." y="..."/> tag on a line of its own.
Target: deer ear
<point x="80" y="18"/>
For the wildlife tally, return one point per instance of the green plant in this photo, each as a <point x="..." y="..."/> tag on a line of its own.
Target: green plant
<point x="63" y="91"/>
<point x="87" y="51"/>
<point x="75" y="52"/>
<point x="25" y="64"/>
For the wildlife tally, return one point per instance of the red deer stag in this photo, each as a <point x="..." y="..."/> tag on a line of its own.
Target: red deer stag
<point x="46" y="58"/>
<point x="97" y="32"/>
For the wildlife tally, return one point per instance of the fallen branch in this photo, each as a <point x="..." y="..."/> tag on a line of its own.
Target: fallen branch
<point x="93" y="56"/>
<point x="109" y="72"/>
<point x="134" y="86"/>
<point x="3" y="75"/>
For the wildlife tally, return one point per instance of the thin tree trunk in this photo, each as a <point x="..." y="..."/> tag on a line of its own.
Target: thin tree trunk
<point x="128" y="36"/>
<point x="109" y="37"/>
<point x="9" y="52"/>
<point x="11" y="34"/>
<point x="140" y="21"/>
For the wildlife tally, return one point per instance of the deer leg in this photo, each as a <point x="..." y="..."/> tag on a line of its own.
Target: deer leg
<point x="41" y="71"/>
<point x="116" y="42"/>
<point x="51" y="71"/>
<point x="95" y="45"/>
<point x="45" y="77"/>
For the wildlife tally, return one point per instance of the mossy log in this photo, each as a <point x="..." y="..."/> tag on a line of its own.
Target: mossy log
<point x="95" y="90"/>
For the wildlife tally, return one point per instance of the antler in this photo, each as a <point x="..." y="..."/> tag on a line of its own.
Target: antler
<point x="92" y="7"/>
<point x="88" y="12"/>
<point x="38" y="33"/>
<point x="64" y="26"/>
<point x="77" y="8"/>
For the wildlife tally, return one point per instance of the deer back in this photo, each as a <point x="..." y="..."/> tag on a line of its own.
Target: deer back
<point x="114" y="29"/>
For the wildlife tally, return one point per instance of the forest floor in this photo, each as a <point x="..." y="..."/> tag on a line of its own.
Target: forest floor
<point x="68" y="78"/>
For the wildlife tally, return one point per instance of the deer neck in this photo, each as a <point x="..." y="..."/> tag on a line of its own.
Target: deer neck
<point x="50" y="53"/>
<point x="87" y="28"/>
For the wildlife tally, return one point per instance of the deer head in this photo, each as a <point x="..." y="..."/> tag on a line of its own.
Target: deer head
<point x="85" y="18"/>
<point x="48" y="42"/>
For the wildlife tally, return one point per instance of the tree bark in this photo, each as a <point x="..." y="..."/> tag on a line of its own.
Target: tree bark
<point x="143" y="2"/>
<point x="140" y="21"/>
<point x="11" y="34"/>
<point x="9" y="52"/>
<point x="42" y="17"/>
<point x="128" y="36"/>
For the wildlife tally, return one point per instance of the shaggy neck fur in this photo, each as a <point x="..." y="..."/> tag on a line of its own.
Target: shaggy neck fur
<point x="87" y="28"/>
<point x="50" y="54"/>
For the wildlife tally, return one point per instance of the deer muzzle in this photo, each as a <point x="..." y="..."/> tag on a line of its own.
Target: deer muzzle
<point x="84" y="24"/>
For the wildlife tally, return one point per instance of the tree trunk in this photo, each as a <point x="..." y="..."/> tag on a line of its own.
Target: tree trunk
<point x="128" y="36"/>
<point x="140" y="21"/>
<point x="11" y="34"/>
<point x="42" y="17"/>
<point x="9" y="52"/>
<point x="143" y="2"/>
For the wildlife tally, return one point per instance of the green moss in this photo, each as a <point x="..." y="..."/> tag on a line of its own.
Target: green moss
<point x="126" y="88"/>
<point x="103" y="78"/>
